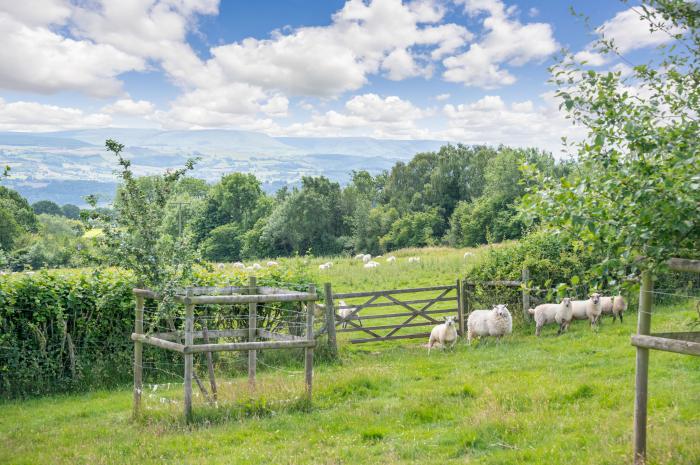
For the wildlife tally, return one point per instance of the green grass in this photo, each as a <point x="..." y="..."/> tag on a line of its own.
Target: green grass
<point x="552" y="400"/>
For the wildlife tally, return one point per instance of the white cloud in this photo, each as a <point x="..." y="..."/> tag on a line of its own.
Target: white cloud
<point x="33" y="116"/>
<point x="129" y="107"/>
<point x="591" y="57"/>
<point x="442" y="97"/>
<point x="630" y="32"/>
<point x="37" y="12"/>
<point x="533" y="12"/>
<point x="506" y="41"/>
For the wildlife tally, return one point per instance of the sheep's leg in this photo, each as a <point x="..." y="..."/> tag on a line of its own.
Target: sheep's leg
<point x="620" y="315"/>
<point x="537" y="330"/>
<point x="359" y="320"/>
<point x="561" y="329"/>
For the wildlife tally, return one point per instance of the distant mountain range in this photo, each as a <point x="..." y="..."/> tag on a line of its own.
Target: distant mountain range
<point x="65" y="166"/>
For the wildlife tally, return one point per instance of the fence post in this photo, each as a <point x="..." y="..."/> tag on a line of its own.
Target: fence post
<point x="189" y="340"/>
<point x="330" y="320"/>
<point x="309" y="351"/>
<point x="642" y="371"/>
<point x="526" y="294"/>
<point x="252" y="330"/>
<point x="138" y="356"/>
<point x="460" y="308"/>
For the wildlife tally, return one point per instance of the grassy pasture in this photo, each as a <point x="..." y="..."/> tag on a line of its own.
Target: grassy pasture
<point x="552" y="400"/>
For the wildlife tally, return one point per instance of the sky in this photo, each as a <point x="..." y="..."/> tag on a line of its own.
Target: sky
<point x="471" y="71"/>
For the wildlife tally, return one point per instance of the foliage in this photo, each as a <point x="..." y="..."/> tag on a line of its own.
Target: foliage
<point x="223" y="244"/>
<point x="48" y="207"/>
<point x="636" y="190"/>
<point x="412" y="230"/>
<point x="71" y="211"/>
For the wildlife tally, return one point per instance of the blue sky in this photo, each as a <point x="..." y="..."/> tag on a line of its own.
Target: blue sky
<point x="472" y="71"/>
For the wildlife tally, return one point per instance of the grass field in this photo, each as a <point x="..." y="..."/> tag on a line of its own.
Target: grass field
<point x="552" y="400"/>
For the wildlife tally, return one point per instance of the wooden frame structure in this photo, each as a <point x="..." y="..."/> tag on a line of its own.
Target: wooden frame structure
<point x="258" y="338"/>
<point x="679" y="342"/>
<point x="470" y="287"/>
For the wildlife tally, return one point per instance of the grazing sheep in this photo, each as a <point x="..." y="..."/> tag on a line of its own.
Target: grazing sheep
<point x="495" y="322"/>
<point x="588" y="309"/>
<point x="256" y="266"/>
<point x="239" y="265"/>
<point x="319" y="310"/>
<point x="413" y="259"/>
<point x="272" y="263"/>
<point x="366" y="258"/>
<point x="443" y="334"/>
<point x="560" y="313"/>
<point x="347" y="312"/>
<point x="379" y="256"/>
<point x="371" y="264"/>
<point x="359" y="256"/>
<point x="390" y="259"/>
<point x="325" y="266"/>
<point x="220" y="266"/>
<point x="467" y="255"/>
<point x="613" y="306"/>
<point x="249" y="268"/>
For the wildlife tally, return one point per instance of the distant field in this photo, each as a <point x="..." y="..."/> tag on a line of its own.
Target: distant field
<point x="552" y="400"/>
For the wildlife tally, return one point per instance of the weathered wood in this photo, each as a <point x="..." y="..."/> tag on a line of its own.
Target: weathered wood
<point x="263" y="333"/>
<point x="503" y="283"/>
<point x="391" y="338"/>
<point x="266" y="290"/>
<point x="201" y="387"/>
<point x="154" y="341"/>
<point x="678" y="346"/>
<point x="349" y="295"/>
<point x="526" y="294"/>
<point x="145" y="293"/>
<point x="420" y="312"/>
<point x="309" y="351"/>
<point x="330" y="320"/>
<point x="642" y="370"/>
<point x="210" y="362"/>
<point x="194" y="291"/>
<point x="252" y="331"/>
<point x="394" y="304"/>
<point x="389" y="326"/>
<point x="138" y="356"/>
<point x="243" y="346"/>
<point x="189" y="327"/>
<point x="693" y="336"/>
<point x="245" y="299"/>
<point x="460" y="308"/>
<point x="384" y="316"/>
<point x="213" y="333"/>
<point x="684" y="264"/>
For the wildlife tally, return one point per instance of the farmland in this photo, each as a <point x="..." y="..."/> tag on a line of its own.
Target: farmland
<point x="566" y="399"/>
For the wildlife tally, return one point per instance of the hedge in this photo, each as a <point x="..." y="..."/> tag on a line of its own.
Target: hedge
<point x="69" y="330"/>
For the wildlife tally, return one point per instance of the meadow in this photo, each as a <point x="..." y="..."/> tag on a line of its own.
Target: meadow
<point x="549" y="400"/>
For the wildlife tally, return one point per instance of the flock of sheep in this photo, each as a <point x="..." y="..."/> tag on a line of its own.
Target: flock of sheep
<point x="369" y="262"/>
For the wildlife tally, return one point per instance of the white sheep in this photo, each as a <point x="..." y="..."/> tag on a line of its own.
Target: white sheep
<point x="443" y="334"/>
<point x="379" y="256"/>
<point x="495" y="322"/>
<point x="390" y="259"/>
<point x="366" y="258"/>
<point x="560" y="313"/>
<point x="324" y="266"/>
<point x="220" y="266"/>
<point x="272" y="263"/>
<point x="613" y="306"/>
<point x="346" y="312"/>
<point x="256" y="266"/>
<point x="359" y="256"/>
<point x="371" y="264"/>
<point x="588" y="309"/>
<point x="468" y="254"/>
<point x="239" y="265"/>
<point x="413" y="259"/>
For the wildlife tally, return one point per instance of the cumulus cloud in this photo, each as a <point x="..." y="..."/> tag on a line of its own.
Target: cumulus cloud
<point x="33" y="116"/>
<point x="630" y="32"/>
<point x="129" y="107"/>
<point x="506" y="42"/>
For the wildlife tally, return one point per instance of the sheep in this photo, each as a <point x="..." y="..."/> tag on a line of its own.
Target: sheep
<point x="443" y="334"/>
<point x="371" y="264"/>
<point x="272" y="263"/>
<point x="324" y="266"/>
<point x="495" y="322"/>
<point x="390" y="259"/>
<point x="366" y="258"/>
<point x="379" y="256"/>
<point x="347" y="312"/>
<point x="359" y="256"/>
<point x="256" y="266"/>
<point x="587" y="309"/>
<point x="560" y="313"/>
<point x="239" y="265"/>
<point x="319" y="310"/>
<point x="613" y="306"/>
<point x="220" y="266"/>
<point x="413" y="259"/>
<point x="467" y="255"/>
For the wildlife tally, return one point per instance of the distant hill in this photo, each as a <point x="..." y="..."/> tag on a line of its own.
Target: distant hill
<point x="64" y="166"/>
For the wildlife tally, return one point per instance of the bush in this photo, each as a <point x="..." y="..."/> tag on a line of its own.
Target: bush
<point x="69" y="330"/>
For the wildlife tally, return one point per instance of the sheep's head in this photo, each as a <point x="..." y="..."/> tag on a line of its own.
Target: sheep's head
<point x="449" y="321"/>
<point x="595" y="298"/>
<point x="501" y="310"/>
<point x="566" y="302"/>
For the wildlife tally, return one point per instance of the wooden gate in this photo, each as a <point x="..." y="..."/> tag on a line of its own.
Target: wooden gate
<point x="386" y="315"/>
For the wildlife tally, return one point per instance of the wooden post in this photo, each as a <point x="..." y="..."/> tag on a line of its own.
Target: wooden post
<point x="210" y="361"/>
<point x="252" y="332"/>
<point x="460" y="308"/>
<point x="526" y="294"/>
<point x="138" y="356"/>
<point x="189" y="340"/>
<point x="309" y="351"/>
<point x="330" y="320"/>
<point x="642" y="371"/>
